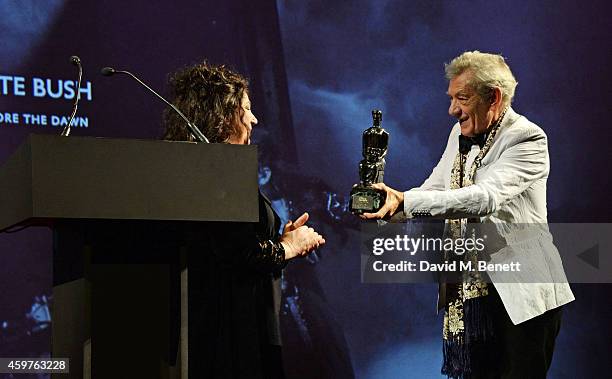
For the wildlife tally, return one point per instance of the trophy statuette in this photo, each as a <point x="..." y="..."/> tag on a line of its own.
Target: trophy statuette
<point x="364" y="198"/>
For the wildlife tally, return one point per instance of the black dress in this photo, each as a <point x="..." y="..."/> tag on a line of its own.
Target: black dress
<point x="234" y="329"/>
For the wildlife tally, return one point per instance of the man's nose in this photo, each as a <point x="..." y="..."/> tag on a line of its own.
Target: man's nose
<point x="454" y="109"/>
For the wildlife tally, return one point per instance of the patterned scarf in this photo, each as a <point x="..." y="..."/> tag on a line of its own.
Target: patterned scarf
<point x="465" y="322"/>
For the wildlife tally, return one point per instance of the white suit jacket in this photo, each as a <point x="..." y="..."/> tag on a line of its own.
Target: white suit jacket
<point x="509" y="193"/>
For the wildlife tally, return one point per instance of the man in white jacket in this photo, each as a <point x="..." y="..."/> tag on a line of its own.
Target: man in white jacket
<point x="493" y="172"/>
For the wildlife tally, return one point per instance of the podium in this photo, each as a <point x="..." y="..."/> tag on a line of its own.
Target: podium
<point x="123" y="214"/>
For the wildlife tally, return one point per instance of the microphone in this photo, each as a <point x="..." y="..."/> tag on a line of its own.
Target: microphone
<point x="77" y="62"/>
<point x="195" y="132"/>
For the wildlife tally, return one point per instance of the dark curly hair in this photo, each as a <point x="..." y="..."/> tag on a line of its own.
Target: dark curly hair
<point x="210" y="97"/>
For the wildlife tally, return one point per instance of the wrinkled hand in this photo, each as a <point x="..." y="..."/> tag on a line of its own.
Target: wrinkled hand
<point x="393" y="204"/>
<point x="298" y="239"/>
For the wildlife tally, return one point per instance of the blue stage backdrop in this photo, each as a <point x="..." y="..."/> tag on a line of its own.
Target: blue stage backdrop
<point x="317" y="69"/>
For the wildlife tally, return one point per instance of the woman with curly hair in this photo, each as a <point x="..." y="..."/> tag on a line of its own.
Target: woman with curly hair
<point x="235" y="332"/>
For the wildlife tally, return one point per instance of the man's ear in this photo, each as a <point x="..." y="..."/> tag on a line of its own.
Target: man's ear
<point x="496" y="98"/>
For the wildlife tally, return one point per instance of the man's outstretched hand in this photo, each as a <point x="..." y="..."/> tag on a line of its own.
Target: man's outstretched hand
<point x="393" y="204"/>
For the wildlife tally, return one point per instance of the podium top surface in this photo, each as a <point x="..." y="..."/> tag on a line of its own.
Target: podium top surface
<point x="51" y="177"/>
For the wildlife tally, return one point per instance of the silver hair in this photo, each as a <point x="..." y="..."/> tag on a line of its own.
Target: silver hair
<point x="488" y="71"/>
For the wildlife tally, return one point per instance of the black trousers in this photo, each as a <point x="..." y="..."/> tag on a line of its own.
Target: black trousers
<point x="522" y="351"/>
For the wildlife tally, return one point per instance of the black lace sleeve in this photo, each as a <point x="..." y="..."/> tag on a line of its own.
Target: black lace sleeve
<point x="269" y="257"/>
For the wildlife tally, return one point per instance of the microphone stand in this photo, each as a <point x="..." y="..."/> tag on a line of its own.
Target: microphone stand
<point x="77" y="62"/>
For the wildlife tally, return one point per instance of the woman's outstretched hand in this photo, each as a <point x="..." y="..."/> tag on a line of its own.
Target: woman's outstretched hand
<point x="298" y="239"/>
